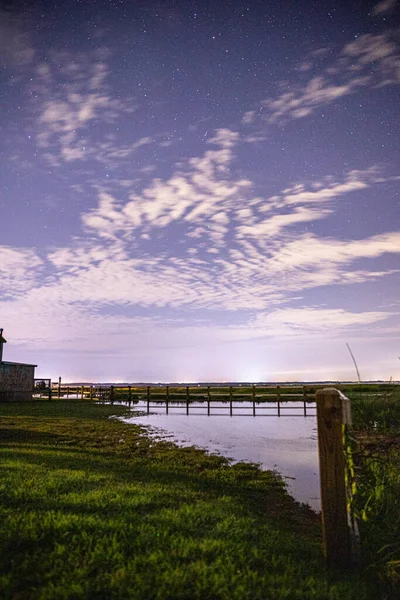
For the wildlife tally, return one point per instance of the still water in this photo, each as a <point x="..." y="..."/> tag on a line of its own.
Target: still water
<point x="287" y="444"/>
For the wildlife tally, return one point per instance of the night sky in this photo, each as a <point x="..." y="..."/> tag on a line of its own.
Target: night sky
<point x="200" y="191"/>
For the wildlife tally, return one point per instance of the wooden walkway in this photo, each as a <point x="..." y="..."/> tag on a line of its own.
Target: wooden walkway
<point x="216" y="400"/>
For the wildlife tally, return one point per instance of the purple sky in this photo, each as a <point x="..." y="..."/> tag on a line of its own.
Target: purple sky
<point x="200" y="191"/>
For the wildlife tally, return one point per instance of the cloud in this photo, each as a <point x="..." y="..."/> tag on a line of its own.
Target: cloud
<point x="303" y="101"/>
<point x="249" y="117"/>
<point x="379" y="49"/>
<point x="196" y="192"/>
<point x="367" y="62"/>
<point x="16" y="49"/>
<point x="47" y="316"/>
<point x="328" y="189"/>
<point x="223" y="249"/>
<point x="325" y="253"/>
<point x="69" y="114"/>
<point x="321" y="193"/>
<point x="227" y="256"/>
<point x="384" y="6"/>
<point x="274" y="225"/>
<point x="306" y="320"/>
<point x="18" y="270"/>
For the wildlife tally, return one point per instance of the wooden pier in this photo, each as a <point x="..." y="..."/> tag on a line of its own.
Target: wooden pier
<point x="235" y="400"/>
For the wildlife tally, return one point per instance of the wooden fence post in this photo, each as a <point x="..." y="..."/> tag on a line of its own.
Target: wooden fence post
<point x="148" y="399"/>
<point x="253" y="395"/>
<point x="336" y="535"/>
<point x="208" y="400"/>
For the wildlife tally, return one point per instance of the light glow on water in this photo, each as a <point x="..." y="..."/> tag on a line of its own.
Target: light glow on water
<point x="286" y="444"/>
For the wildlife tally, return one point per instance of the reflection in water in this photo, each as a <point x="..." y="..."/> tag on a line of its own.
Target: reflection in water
<point x="286" y="444"/>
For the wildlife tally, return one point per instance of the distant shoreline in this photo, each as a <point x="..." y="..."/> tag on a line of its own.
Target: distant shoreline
<point x="224" y="383"/>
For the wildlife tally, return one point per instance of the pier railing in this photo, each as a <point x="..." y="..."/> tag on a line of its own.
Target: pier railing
<point x="254" y="400"/>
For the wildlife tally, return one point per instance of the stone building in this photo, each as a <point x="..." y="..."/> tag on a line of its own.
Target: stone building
<point x="16" y="379"/>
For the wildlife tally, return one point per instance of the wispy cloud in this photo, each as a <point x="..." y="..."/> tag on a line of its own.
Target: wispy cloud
<point x="18" y="270"/>
<point x="69" y="112"/>
<point x="367" y="62"/>
<point x="306" y="320"/>
<point x="230" y="252"/>
<point x="197" y="195"/>
<point x="16" y="48"/>
<point x="303" y="101"/>
<point x="327" y="252"/>
<point x="384" y="6"/>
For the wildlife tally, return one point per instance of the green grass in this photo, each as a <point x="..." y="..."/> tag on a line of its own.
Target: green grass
<point x="378" y="505"/>
<point x="92" y="508"/>
<point x="376" y="411"/>
<point x="376" y="419"/>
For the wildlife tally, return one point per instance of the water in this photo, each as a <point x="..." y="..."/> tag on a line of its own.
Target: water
<point x="286" y="444"/>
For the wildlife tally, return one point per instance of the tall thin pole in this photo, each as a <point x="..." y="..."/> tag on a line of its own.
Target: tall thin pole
<point x="354" y="361"/>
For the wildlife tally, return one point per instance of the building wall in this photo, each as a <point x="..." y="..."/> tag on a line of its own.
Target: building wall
<point x="16" y="381"/>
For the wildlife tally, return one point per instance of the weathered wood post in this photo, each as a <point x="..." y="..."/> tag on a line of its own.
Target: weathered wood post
<point x="253" y="394"/>
<point x="208" y="400"/>
<point x="167" y="398"/>
<point x="333" y="413"/>
<point x="187" y="399"/>
<point x="112" y="394"/>
<point x="148" y="399"/>
<point x="230" y="400"/>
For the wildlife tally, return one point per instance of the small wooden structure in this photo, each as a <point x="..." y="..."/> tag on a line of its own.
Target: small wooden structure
<point x="16" y="379"/>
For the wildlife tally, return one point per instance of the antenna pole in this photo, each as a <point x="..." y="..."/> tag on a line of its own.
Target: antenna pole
<point x="354" y="361"/>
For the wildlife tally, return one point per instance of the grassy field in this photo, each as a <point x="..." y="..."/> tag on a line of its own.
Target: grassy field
<point x="92" y="508"/>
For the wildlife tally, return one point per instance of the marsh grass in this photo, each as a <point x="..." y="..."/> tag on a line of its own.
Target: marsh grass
<point x="92" y="508"/>
<point x="376" y="450"/>
<point x="377" y="411"/>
